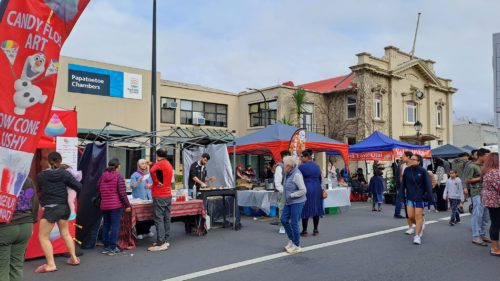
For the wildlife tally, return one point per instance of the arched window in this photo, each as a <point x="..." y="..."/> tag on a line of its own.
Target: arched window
<point x="439" y="116"/>
<point x="411" y="112"/>
<point x="377" y="107"/>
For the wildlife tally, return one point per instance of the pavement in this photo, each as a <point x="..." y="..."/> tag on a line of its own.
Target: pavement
<point x="357" y="244"/>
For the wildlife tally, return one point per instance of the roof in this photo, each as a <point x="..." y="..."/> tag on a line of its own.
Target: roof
<point x="334" y="84"/>
<point x="380" y="142"/>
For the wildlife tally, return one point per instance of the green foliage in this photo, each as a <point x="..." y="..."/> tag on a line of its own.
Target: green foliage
<point x="179" y="178"/>
<point x="299" y="100"/>
<point x="286" y="121"/>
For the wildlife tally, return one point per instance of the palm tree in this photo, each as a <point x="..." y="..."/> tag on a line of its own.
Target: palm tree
<point x="286" y="121"/>
<point x="299" y="99"/>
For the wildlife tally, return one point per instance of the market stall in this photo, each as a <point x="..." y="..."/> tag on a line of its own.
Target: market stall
<point x="448" y="151"/>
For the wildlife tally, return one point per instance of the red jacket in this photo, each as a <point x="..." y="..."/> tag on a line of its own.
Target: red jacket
<point x="113" y="191"/>
<point x="161" y="173"/>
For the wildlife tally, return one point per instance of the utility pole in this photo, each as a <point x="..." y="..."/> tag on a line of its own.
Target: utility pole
<point x="152" y="150"/>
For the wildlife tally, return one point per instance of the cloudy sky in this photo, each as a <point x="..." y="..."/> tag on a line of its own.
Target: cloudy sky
<point x="232" y="45"/>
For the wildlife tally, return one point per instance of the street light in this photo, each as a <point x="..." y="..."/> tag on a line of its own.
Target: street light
<point x="266" y="109"/>
<point x="418" y="128"/>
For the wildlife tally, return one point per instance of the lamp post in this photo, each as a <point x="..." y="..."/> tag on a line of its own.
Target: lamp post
<point x="418" y="128"/>
<point x="152" y="149"/>
<point x="266" y="109"/>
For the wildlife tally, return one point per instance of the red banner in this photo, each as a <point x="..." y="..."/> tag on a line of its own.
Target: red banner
<point x="297" y="142"/>
<point x="425" y="153"/>
<point x="32" y="33"/>
<point x="371" y="155"/>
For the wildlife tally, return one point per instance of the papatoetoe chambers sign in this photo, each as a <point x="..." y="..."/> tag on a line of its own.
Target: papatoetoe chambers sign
<point x="104" y="82"/>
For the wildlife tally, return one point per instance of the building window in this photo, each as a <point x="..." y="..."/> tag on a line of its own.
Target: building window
<point x="306" y="120"/>
<point x="411" y="112"/>
<point x="377" y="107"/>
<point x="439" y="117"/>
<point x="351" y="140"/>
<point x="215" y="114"/>
<point x="351" y="107"/>
<point x="168" y="108"/>
<point x="262" y="114"/>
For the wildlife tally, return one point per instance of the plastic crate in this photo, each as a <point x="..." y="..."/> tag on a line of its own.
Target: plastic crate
<point x="332" y="210"/>
<point x="255" y="212"/>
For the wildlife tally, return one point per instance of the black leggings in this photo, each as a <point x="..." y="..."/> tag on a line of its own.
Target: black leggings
<point x="306" y="221"/>
<point x="495" y="223"/>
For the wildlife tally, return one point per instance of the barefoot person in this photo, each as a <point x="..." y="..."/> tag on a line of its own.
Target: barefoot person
<point x="52" y="185"/>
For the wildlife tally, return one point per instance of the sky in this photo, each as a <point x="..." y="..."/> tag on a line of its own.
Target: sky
<point x="233" y="45"/>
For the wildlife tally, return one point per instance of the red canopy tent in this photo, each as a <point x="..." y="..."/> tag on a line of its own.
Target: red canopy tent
<point x="276" y="138"/>
<point x="62" y="123"/>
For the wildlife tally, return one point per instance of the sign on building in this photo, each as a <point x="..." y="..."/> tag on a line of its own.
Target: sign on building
<point x="104" y="82"/>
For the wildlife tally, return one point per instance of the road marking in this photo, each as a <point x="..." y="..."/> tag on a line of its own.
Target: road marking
<point x="283" y="254"/>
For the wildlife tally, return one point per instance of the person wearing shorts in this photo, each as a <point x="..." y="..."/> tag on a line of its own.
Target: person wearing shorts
<point x="52" y="189"/>
<point x="416" y="187"/>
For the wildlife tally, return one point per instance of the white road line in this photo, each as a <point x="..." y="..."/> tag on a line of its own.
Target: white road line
<point x="283" y="254"/>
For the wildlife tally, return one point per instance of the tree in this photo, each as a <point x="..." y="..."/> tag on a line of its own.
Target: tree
<point x="299" y="100"/>
<point x="286" y="121"/>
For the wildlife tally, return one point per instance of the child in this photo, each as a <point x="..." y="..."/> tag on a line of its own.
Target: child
<point x="376" y="188"/>
<point x="455" y="192"/>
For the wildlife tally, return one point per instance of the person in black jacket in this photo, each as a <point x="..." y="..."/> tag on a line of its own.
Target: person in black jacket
<point x="52" y="185"/>
<point x="417" y="189"/>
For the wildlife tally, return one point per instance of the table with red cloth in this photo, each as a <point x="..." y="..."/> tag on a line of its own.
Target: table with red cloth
<point x="192" y="213"/>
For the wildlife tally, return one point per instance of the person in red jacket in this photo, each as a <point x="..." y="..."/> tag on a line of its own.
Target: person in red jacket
<point x="114" y="199"/>
<point x="161" y="173"/>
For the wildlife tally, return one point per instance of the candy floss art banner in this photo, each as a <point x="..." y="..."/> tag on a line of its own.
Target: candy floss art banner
<point x="32" y="33"/>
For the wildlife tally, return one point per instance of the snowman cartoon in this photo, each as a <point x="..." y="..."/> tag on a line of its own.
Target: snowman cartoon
<point x="27" y="94"/>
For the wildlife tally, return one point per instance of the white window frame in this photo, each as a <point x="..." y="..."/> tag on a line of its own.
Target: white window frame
<point x="377" y="107"/>
<point x="351" y="104"/>
<point x="439" y="116"/>
<point x="411" y="106"/>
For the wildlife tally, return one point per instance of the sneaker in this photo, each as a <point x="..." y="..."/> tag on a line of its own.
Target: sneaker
<point x="452" y="223"/>
<point x="281" y="230"/>
<point x="417" y="240"/>
<point x="485" y="239"/>
<point x="398" y="217"/>
<point x="157" y="248"/>
<point x="139" y="237"/>
<point x="289" y="245"/>
<point x="105" y="251"/>
<point x="410" y="231"/>
<point x="114" y="251"/>
<point x="294" y="249"/>
<point x="150" y="234"/>
<point x="436" y="211"/>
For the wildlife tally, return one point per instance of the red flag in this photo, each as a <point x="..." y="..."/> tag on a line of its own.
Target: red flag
<point x="32" y="33"/>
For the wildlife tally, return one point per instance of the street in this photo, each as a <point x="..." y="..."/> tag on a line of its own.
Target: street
<point x="355" y="245"/>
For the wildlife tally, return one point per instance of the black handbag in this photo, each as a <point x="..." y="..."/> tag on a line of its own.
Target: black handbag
<point x="96" y="200"/>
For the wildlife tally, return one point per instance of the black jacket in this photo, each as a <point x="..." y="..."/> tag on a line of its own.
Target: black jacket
<point x="52" y="186"/>
<point x="417" y="184"/>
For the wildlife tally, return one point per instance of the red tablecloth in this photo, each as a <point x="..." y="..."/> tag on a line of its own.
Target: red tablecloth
<point x="144" y="212"/>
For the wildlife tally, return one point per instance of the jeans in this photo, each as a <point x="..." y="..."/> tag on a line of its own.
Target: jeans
<point x="480" y="217"/>
<point x="161" y="211"/>
<point x="455" y="216"/>
<point x="290" y="220"/>
<point x="399" y="202"/>
<point x="111" y="227"/>
<point x="13" y="241"/>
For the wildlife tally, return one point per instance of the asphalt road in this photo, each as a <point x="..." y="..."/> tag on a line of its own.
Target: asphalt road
<point x="355" y="245"/>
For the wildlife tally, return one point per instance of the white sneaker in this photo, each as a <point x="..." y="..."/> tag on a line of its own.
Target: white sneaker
<point x="294" y="249"/>
<point x="289" y="245"/>
<point x="410" y="231"/>
<point x="417" y="240"/>
<point x="140" y="237"/>
<point x="281" y="230"/>
<point x="150" y="234"/>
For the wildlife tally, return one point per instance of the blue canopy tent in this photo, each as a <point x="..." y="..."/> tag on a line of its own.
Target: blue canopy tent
<point x="378" y="142"/>
<point x="448" y="151"/>
<point x="468" y="148"/>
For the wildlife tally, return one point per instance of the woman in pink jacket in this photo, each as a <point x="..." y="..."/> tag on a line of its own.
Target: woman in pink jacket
<point x="114" y="199"/>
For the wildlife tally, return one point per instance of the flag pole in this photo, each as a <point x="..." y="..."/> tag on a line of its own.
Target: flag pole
<point x="412" y="53"/>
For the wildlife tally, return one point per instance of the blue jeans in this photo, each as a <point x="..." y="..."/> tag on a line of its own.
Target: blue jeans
<point x="399" y="201"/>
<point x="111" y="227"/>
<point x="480" y="217"/>
<point x="290" y="220"/>
<point x="455" y="216"/>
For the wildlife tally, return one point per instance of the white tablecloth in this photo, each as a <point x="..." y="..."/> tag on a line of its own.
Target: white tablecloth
<point x="260" y="199"/>
<point x="338" y="197"/>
